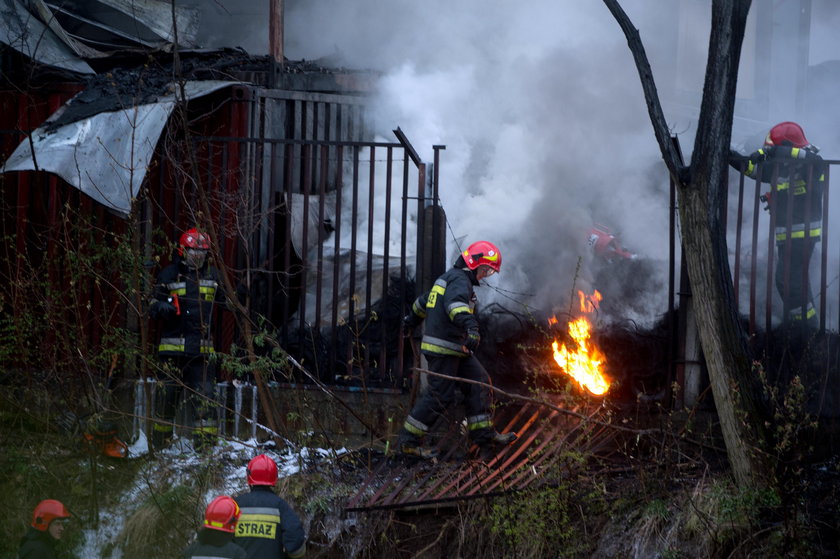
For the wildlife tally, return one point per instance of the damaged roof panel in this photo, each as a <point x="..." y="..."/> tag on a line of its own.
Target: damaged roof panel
<point x="106" y="156"/>
<point x="25" y="33"/>
<point x="64" y="34"/>
<point x="147" y="22"/>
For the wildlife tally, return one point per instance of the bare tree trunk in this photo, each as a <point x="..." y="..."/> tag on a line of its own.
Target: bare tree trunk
<point x="702" y="189"/>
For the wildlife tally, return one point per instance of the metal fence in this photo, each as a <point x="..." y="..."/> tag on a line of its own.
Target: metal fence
<point x="765" y="272"/>
<point x="332" y="239"/>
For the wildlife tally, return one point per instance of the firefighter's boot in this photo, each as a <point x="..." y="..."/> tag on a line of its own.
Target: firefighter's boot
<point x="412" y="445"/>
<point x="161" y="436"/>
<point x="205" y="435"/>
<point x="492" y="438"/>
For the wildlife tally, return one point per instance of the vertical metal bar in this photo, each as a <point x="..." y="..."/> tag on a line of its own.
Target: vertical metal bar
<point x="297" y="134"/>
<point x="369" y="271"/>
<point x="306" y="153"/>
<point x="319" y="264"/>
<point x="824" y="251"/>
<point x="754" y="257"/>
<point x="437" y="261"/>
<point x="386" y="258"/>
<point x="403" y="272"/>
<point x="422" y="281"/>
<point x="787" y="246"/>
<point x="270" y="236"/>
<point x="804" y="299"/>
<point x="288" y="165"/>
<point x="354" y="223"/>
<point x="339" y="186"/>
<point x="675" y="371"/>
<point x="771" y="249"/>
<point x="738" y="226"/>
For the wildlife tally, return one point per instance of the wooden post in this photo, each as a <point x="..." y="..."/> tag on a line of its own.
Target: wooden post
<point x="275" y="30"/>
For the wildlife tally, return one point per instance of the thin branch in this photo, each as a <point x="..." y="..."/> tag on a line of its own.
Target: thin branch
<point x="678" y="171"/>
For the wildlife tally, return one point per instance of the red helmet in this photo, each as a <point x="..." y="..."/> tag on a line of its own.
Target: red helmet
<point x="45" y="512"/>
<point x="482" y="253"/>
<point x="262" y="470"/>
<point x="193" y="238"/>
<point x="221" y="514"/>
<point x="786" y="133"/>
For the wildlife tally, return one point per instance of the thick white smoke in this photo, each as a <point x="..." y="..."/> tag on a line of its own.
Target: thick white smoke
<point x="540" y="107"/>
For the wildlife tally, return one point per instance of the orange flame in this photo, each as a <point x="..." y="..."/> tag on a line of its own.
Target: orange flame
<point x="585" y="364"/>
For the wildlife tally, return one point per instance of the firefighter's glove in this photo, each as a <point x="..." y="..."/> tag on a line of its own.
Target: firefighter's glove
<point x="763" y="154"/>
<point x="411" y="321"/>
<point x="767" y="198"/>
<point x="472" y="341"/>
<point x="164" y="310"/>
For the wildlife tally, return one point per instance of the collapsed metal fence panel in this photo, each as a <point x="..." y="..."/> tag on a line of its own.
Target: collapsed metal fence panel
<point x="537" y="458"/>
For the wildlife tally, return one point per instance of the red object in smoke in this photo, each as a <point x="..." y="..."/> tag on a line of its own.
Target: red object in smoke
<point x="606" y="245"/>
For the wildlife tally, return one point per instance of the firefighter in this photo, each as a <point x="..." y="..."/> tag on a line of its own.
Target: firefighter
<point x="47" y="527"/>
<point x="215" y="539"/>
<point x="185" y="297"/>
<point x="796" y="204"/>
<point x="450" y="338"/>
<point x="268" y="527"/>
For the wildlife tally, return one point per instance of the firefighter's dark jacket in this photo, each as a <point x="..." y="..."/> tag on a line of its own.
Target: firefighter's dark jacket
<point x="37" y="545"/>
<point x="268" y="528"/>
<point x="190" y="332"/>
<point x="799" y="174"/>
<point x="214" y="544"/>
<point x="448" y="309"/>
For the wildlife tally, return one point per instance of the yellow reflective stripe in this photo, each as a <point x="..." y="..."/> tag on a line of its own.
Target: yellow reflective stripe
<point x="181" y="348"/>
<point x="208" y="292"/>
<point x="260" y="517"/>
<point x="206" y="429"/>
<point x="433" y="293"/>
<point x="439" y="289"/>
<point x="441" y="350"/>
<point x="418" y="310"/>
<point x="798" y="234"/>
<point x="161" y="428"/>
<point x="413" y="430"/>
<point x="179" y="292"/>
<point x="458" y="310"/>
<point x="480" y="425"/>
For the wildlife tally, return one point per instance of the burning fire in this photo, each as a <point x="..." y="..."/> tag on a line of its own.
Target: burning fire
<point x="585" y="363"/>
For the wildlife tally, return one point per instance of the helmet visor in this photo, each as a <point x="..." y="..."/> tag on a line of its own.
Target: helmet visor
<point x="195" y="257"/>
<point x="484" y="271"/>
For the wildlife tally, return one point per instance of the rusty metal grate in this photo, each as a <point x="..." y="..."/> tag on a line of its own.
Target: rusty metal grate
<point x="535" y="458"/>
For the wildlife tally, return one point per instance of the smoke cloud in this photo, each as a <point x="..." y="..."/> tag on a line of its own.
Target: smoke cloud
<point x="546" y="131"/>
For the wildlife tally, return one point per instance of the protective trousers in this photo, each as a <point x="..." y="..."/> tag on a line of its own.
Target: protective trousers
<point x="197" y="376"/>
<point x="797" y="299"/>
<point x="440" y="395"/>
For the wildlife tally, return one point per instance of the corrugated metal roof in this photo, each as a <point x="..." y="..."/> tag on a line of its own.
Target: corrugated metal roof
<point x="25" y="33"/>
<point x="106" y="156"/>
